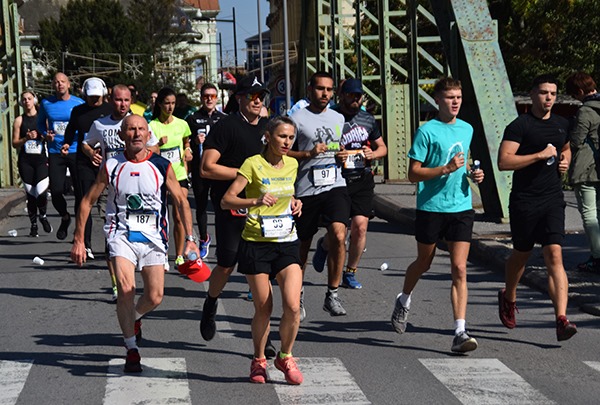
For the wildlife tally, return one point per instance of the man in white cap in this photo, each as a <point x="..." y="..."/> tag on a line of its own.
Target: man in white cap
<point x="82" y="117"/>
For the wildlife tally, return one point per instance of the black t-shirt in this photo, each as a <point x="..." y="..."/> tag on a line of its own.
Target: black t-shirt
<point x="201" y="123"/>
<point x="80" y="123"/>
<point x="236" y="140"/>
<point x="538" y="180"/>
<point x="29" y="123"/>
<point x="360" y="130"/>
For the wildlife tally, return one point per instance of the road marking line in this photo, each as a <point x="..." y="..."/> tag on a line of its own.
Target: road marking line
<point x="13" y="375"/>
<point x="326" y="381"/>
<point x="593" y="364"/>
<point x="162" y="381"/>
<point x="484" y="381"/>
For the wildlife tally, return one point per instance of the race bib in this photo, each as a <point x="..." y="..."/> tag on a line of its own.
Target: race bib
<point x="276" y="226"/>
<point x="324" y="175"/>
<point x="33" y="147"/>
<point x="355" y="160"/>
<point x="172" y="154"/>
<point x="145" y="221"/>
<point x="59" y="127"/>
<point x="113" y="152"/>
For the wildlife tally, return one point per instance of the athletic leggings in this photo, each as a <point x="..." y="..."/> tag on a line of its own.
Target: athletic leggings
<point x="33" y="170"/>
<point x="58" y="165"/>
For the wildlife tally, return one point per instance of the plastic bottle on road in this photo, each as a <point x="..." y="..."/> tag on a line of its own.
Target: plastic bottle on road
<point x="13" y="233"/>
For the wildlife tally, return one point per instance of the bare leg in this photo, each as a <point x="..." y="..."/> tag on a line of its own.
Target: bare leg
<point x="558" y="284"/>
<point x="459" y="252"/>
<point x="290" y="283"/>
<point x="358" y="239"/>
<point x="262" y="297"/>
<point x="336" y="235"/>
<point x="425" y="255"/>
<point x="515" y="266"/>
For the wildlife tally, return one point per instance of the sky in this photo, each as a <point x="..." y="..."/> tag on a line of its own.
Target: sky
<point x="246" y="17"/>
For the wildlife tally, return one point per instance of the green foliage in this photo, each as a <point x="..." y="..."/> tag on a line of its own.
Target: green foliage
<point x="87" y="27"/>
<point x="548" y="36"/>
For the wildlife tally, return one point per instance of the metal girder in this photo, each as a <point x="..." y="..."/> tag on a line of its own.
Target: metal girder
<point x="471" y="37"/>
<point x="11" y="83"/>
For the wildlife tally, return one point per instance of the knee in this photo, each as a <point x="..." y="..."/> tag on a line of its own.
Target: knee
<point x="291" y="309"/>
<point x="263" y="310"/>
<point x="459" y="272"/>
<point x="155" y="297"/>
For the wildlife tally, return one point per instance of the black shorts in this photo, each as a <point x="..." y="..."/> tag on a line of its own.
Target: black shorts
<point x="450" y="226"/>
<point x="228" y="229"/>
<point x="330" y="206"/>
<point x="185" y="184"/>
<point x="267" y="257"/>
<point x="361" y="192"/>
<point x="532" y="223"/>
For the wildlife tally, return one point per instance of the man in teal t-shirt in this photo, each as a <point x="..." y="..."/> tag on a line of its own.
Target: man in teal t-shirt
<point x="444" y="208"/>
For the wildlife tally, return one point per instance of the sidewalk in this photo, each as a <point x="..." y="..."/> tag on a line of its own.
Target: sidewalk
<point x="9" y="198"/>
<point x="492" y="244"/>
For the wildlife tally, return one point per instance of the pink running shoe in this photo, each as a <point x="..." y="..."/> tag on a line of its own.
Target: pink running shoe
<point x="289" y="368"/>
<point x="258" y="371"/>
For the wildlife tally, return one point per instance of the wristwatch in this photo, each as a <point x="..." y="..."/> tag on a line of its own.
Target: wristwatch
<point x="191" y="238"/>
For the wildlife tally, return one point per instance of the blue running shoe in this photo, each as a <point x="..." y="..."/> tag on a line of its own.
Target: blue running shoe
<point x="204" y="247"/>
<point x="249" y="296"/>
<point x="349" y="280"/>
<point x="320" y="256"/>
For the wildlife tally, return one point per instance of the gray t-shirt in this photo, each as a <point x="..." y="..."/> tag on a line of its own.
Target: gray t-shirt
<point x="321" y="173"/>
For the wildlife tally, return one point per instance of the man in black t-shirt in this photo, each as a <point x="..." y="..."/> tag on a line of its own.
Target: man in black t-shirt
<point x="82" y="117"/>
<point x="232" y="140"/>
<point x="361" y="144"/>
<point x="537" y="206"/>
<point x="200" y="124"/>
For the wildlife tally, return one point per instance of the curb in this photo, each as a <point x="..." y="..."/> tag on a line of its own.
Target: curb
<point x="9" y="201"/>
<point x="494" y="252"/>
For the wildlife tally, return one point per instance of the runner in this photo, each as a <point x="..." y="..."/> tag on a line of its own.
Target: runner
<point x="269" y="245"/>
<point x="173" y="136"/>
<point x="33" y="162"/>
<point x="53" y="118"/>
<point x="136" y="227"/>
<point x="200" y="124"/>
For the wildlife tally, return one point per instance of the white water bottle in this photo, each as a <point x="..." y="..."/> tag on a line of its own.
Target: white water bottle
<point x="13" y="233"/>
<point x="551" y="159"/>
<point x="192" y="256"/>
<point x="38" y="260"/>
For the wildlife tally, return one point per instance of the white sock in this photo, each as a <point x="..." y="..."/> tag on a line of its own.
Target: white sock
<point x="130" y="343"/>
<point x="405" y="300"/>
<point x="459" y="326"/>
<point x="138" y="316"/>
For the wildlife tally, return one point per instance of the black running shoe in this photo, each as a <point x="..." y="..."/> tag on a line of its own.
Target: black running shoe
<point x="133" y="361"/>
<point x="270" y="351"/>
<point x="63" y="228"/>
<point x="208" y="326"/>
<point x="45" y="224"/>
<point x="33" y="232"/>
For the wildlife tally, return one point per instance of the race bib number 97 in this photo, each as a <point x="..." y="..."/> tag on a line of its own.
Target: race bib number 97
<point x="324" y="175"/>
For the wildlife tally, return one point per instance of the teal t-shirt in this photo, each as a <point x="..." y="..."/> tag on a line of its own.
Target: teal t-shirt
<point x="435" y="144"/>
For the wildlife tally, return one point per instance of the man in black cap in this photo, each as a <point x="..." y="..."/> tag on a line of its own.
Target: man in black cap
<point x="232" y="140"/>
<point x="361" y="143"/>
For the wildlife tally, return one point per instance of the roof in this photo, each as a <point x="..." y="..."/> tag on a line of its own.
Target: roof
<point x="204" y="5"/>
<point x="266" y="36"/>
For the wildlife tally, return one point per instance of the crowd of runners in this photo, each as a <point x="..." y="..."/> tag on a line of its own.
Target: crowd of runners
<point x="273" y="181"/>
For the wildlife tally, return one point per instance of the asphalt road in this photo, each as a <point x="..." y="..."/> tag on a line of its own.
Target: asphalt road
<point x="60" y="341"/>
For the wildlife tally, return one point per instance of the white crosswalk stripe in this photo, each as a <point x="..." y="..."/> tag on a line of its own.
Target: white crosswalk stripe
<point x="484" y="381"/>
<point x="163" y="381"/>
<point x="326" y="381"/>
<point x="593" y="364"/>
<point x="13" y="375"/>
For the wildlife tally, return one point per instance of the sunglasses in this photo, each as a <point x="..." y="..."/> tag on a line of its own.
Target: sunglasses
<point x="209" y="96"/>
<point x="253" y="97"/>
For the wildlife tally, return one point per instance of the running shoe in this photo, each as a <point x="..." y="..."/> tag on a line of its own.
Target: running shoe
<point x="590" y="266"/>
<point x="179" y="260"/>
<point x="320" y="256"/>
<point x="258" y="371"/>
<point x="63" y="228"/>
<point x="45" y="224"/>
<point x="204" y="247"/>
<point x="333" y="305"/>
<point x="133" y="361"/>
<point x="270" y="350"/>
<point x="208" y="326"/>
<point x="302" y="309"/>
<point x="463" y="343"/>
<point x="33" y="232"/>
<point x="89" y="254"/>
<point x="506" y="310"/>
<point x="564" y="329"/>
<point x="137" y="330"/>
<point x="349" y="280"/>
<point x="399" y="316"/>
<point x="115" y="294"/>
<point x="249" y="296"/>
<point x="288" y="366"/>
